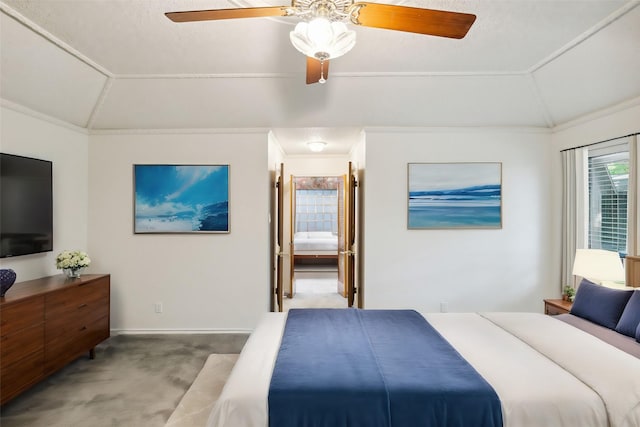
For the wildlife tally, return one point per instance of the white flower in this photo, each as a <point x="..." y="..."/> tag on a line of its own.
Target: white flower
<point x="72" y="259"/>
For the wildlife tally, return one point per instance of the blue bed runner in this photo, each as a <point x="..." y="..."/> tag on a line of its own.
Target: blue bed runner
<point x="374" y="368"/>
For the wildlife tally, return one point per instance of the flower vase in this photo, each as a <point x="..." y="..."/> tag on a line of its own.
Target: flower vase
<point x="73" y="273"/>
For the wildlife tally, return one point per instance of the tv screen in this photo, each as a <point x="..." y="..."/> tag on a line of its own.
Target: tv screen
<point x="26" y="205"/>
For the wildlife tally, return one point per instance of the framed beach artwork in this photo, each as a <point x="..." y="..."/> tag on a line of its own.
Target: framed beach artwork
<point x="454" y="195"/>
<point x="181" y="198"/>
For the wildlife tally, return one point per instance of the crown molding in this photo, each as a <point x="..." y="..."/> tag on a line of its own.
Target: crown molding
<point x="459" y="129"/>
<point x="597" y="114"/>
<point x="189" y="131"/>
<point x="41" y="116"/>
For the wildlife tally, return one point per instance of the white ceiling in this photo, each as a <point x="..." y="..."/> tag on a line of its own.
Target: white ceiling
<point x="121" y="64"/>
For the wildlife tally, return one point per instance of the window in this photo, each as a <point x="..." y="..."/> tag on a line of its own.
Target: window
<point x="317" y="210"/>
<point x="608" y="170"/>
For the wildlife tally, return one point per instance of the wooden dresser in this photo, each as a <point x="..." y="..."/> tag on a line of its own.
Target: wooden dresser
<point x="47" y="323"/>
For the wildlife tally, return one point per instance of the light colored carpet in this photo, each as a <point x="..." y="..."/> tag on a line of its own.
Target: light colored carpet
<point x="134" y="381"/>
<point x="315" y="290"/>
<point x="195" y="406"/>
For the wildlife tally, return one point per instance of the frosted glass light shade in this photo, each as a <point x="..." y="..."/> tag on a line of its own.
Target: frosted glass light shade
<point x="322" y="39"/>
<point x="598" y="265"/>
<point x="316" y="146"/>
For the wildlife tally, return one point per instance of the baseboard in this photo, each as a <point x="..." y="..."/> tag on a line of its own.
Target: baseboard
<point x="177" y="331"/>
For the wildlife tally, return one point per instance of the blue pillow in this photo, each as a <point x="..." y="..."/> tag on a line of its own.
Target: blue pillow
<point x="638" y="334"/>
<point x="600" y="304"/>
<point x="630" y="319"/>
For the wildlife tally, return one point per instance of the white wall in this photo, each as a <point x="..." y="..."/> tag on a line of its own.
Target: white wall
<point x="470" y="270"/>
<point x="221" y="282"/>
<point x="606" y="125"/>
<point x="205" y="281"/>
<point x="27" y="135"/>
<point x="316" y="165"/>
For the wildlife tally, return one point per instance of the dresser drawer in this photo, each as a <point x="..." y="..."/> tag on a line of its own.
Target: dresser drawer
<point x="554" y="311"/>
<point x="65" y="348"/>
<point x="70" y="316"/>
<point x="16" y="346"/>
<point x="75" y="319"/>
<point x="71" y="299"/>
<point x="21" y="375"/>
<point x="21" y="314"/>
<point x="554" y="307"/>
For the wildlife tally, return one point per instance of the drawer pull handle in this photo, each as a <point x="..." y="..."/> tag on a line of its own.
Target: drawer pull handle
<point x="82" y="305"/>
<point x="83" y="328"/>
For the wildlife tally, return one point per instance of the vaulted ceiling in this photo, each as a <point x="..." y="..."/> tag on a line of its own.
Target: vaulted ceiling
<point x="121" y="64"/>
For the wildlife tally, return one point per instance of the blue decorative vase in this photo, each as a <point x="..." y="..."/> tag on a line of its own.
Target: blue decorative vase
<point x="7" y="279"/>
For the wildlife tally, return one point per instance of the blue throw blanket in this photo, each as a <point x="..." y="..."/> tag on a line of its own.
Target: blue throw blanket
<point x="374" y="368"/>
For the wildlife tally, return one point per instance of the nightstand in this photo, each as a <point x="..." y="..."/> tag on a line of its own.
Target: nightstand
<point x="557" y="306"/>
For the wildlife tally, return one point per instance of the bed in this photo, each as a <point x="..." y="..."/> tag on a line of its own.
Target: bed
<point x="315" y="244"/>
<point x="546" y="371"/>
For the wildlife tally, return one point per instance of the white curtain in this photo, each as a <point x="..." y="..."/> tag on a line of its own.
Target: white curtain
<point x="573" y="206"/>
<point x="574" y="209"/>
<point x="633" y="202"/>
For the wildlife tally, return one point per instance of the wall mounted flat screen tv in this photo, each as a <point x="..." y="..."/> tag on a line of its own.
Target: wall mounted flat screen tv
<point x="26" y="205"/>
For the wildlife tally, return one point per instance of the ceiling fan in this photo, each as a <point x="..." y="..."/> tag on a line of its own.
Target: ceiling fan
<point x="322" y="34"/>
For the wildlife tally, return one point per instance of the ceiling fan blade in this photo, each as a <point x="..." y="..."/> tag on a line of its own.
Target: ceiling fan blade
<point x="215" y="14"/>
<point x="414" y="20"/>
<point x="316" y="70"/>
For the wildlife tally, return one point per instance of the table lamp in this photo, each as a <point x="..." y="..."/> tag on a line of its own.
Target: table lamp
<point x="598" y="265"/>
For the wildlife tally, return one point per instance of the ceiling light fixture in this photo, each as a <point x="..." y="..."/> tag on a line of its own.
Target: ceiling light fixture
<point x="316" y="146"/>
<point x="323" y="34"/>
<point x="322" y="39"/>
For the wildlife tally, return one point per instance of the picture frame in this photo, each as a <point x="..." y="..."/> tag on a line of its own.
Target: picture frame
<point x="454" y="195"/>
<point x="180" y="198"/>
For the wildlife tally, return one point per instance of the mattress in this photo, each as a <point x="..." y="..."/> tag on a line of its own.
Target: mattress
<point x="545" y="371"/>
<point x="312" y="242"/>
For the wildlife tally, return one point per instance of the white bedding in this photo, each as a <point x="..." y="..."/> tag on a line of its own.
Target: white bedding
<point x="315" y="242"/>
<point x="546" y="373"/>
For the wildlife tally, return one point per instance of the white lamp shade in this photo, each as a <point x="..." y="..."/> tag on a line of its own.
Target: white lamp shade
<point x="598" y="265"/>
<point x="322" y="39"/>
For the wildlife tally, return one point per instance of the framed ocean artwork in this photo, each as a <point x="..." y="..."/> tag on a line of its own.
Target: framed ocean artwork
<point x="454" y="195"/>
<point x="181" y="198"/>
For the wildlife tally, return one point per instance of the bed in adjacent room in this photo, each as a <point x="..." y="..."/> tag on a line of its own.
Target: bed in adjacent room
<point x="540" y="370"/>
<point x="315" y="244"/>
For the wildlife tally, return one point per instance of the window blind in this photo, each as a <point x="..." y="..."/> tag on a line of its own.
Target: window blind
<point x="608" y="171"/>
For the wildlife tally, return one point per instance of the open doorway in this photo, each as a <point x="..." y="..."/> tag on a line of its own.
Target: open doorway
<point x="289" y="158"/>
<point x="318" y="233"/>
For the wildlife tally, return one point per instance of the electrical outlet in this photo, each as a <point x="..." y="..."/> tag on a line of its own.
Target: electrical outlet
<point x="444" y="307"/>
<point x="158" y="307"/>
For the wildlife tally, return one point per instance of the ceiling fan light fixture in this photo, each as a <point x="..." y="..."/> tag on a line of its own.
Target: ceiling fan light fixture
<point x="316" y="146"/>
<point x="322" y="39"/>
<point x="319" y="31"/>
